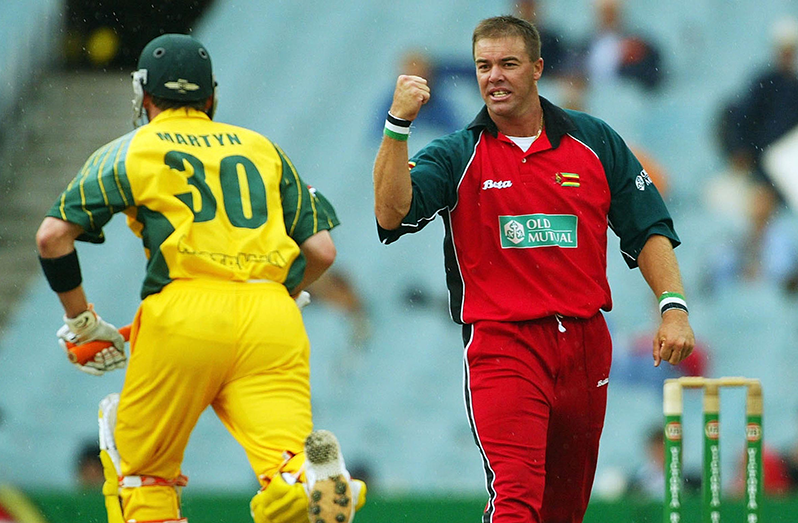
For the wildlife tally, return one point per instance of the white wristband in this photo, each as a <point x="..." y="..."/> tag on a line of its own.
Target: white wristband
<point x="672" y="300"/>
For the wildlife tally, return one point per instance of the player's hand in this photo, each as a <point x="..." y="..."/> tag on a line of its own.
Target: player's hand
<point x="302" y="299"/>
<point x="674" y="340"/>
<point x="105" y="360"/>
<point x="86" y="327"/>
<point x="411" y="93"/>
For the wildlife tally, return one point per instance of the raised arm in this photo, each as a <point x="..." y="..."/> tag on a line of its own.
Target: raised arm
<point x="674" y="340"/>
<point x="393" y="191"/>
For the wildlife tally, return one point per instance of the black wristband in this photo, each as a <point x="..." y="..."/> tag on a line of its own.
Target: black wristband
<point x="672" y="306"/>
<point x="401" y="122"/>
<point x="63" y="274"/>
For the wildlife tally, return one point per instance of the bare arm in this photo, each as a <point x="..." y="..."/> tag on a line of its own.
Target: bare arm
<point x="54" y="239"/>
<point x="674" y="340"/>
<point x="393" y="191"/>
<point x="319" y="251"/>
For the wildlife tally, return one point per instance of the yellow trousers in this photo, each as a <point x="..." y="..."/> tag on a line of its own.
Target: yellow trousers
<point x="238" y="347"/>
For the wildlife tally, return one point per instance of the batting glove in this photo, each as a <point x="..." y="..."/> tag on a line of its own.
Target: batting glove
<point x="283" y="500"/>
<point x="302" y="300"/>
<point x="86" y="327"/>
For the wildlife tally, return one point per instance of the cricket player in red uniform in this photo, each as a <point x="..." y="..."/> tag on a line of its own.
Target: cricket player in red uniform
<point x="526" y="193"/>
<point x="232" y="234"/>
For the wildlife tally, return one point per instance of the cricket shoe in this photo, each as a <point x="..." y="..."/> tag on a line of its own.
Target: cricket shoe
<point x="329" y="489"/>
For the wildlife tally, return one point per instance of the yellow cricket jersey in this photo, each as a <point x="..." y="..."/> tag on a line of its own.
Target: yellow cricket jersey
<point x="208" y="199"/>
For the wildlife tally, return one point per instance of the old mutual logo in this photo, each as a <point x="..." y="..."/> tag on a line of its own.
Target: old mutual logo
<point x="514" y="232"/>
<point x="538" y="230"/>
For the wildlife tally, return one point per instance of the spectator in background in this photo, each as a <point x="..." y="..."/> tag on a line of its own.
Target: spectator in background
<point x="88" y="467"/>
<point x="648" y="481"/>
<point x="554" y="48"/>
<point x="615" y="52"/>
<point x="111" y="33"/>
<point x="731" y="195"/>
<point x="731" y="188"/>
<point x="759" y="243"/>
<point x="775" y="474"/>
<point x="439" y="116"/>
<point x="769" y="104"/>
<point x="336" y="289"/>
<point x="768" y="110"/>
<point x="790" y="458"/>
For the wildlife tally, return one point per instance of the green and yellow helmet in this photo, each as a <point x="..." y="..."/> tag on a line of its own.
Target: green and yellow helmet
<point x="173" y="67"/>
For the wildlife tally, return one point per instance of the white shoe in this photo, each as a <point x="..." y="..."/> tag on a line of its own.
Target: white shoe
<point x="329" y="491"/>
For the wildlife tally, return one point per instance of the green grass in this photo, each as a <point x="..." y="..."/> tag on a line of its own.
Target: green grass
<point x="87" y="507"/>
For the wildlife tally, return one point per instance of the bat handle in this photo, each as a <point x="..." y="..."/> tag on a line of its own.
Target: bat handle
<point x="83" y="352"/>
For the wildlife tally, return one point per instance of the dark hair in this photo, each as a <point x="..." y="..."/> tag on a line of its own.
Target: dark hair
<point x="164" y="103"/>
<point x="655" y="435"/>
<point x="88" y="453"/>
<point x="507" y="25"/>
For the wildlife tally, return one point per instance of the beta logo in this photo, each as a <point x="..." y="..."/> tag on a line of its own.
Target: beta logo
<point x="673" y="431"/>
<point x="712" y="429"/>
<point x="753" y="432"/>
<point x="502" y="184"/>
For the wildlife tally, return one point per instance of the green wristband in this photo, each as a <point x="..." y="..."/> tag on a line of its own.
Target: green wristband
<point x="666" y="294"/>
<point x="672" y="300"/>
<point x="396" y="136"/>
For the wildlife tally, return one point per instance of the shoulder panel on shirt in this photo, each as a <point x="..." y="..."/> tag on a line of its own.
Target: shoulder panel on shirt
<point x="637" y="210"/>
<point x="305" y="210"/>
<point x="436" y="172"/>
<point x="99" y="190"/>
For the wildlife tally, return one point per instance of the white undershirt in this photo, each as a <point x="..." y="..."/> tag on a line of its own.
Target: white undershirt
<point x="524" y="142"/>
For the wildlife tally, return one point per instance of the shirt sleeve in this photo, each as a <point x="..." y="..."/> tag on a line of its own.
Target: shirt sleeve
<point x="432" y="173"/>
<point x="305" y="210"/>
<point x="637" y="210"/>
<point x="100" y="190"/>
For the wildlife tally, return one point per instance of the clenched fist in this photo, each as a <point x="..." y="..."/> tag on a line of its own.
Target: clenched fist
<point x="411" y="93"/>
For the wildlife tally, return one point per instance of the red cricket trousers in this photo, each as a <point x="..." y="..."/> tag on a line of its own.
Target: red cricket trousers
<point x="536" y="395"/>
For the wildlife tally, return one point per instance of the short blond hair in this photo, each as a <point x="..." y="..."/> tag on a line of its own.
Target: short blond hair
<point x="507" y="25"/>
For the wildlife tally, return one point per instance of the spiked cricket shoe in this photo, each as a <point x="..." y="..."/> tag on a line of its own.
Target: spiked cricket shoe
<point x="330" y="495"/>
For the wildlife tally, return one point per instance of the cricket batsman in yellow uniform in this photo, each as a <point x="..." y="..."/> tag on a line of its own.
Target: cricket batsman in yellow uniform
<point x="232" y="236"/>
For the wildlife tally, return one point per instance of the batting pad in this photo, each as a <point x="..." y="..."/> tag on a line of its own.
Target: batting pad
<point x="109" y="457"/>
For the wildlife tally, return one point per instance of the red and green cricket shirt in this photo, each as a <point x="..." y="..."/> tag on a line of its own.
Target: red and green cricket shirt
<point x="526" y="232"/>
